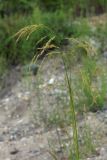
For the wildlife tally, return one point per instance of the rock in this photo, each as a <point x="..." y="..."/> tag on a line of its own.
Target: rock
<point x="51" y="81"/>
<point x="20" y="121"/>
<point x="13" y="138"/>
<point x="14" y="151"/>
<point x="35" y="152"/>
<point x="33" y="68"/>
<point x="15" y="134"/>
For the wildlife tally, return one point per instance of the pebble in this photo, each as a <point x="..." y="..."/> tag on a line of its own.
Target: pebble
<point x="20" y="121"/>
<point x="51" y="81"/>
<point x="14" y="151"/>
<point x="12" y="138"/>
<point x="35" y="152"/>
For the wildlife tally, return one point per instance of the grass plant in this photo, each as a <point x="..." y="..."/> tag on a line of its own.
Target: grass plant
<point x="73" y="115"/>
<point x="93" y="96"/>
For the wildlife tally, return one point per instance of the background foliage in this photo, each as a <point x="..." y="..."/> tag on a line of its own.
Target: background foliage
<point x="58" y="15"/>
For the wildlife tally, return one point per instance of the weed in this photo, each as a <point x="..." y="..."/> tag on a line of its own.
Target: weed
<point x="72" y="111"/>
<point x="93" y="93"/>
<point x="93" y="97"/>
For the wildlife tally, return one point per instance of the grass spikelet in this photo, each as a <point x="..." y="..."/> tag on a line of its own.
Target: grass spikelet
<point x="27" y="31"/>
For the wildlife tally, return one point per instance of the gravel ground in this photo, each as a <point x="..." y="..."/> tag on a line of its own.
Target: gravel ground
<point x="23" y="133"/>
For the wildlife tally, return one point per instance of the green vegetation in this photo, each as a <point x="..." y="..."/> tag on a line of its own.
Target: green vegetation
<point x="78" y="7"/>
<point x="54" y="26"/>
<point x="57" y="15"/>
<point x="90" y="95"/>
<point x="94" y="94"/>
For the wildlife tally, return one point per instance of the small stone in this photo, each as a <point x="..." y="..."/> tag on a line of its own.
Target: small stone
<point x="14" y="151"/>
<point x="35" y="152"/>
<point x="51" y="81"/>
<point x="34" y="69"/>
<point x="20" y="121"/>
<point x="13" y="138"/>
